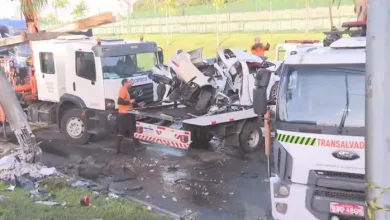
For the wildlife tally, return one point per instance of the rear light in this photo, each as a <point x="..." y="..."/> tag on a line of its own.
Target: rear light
<point x="140" y="130"/>
<point x="183" y="138"/>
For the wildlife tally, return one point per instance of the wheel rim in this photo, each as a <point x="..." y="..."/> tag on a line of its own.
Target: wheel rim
<point x="75" y="127"/>
<point x="253" y="138"/>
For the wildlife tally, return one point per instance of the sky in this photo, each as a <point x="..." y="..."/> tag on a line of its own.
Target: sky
<point x="10" y="9"/>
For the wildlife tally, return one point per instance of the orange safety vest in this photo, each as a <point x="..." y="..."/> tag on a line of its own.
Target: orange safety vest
<point x="259" y="50"/>
<point x="124" y="94"/>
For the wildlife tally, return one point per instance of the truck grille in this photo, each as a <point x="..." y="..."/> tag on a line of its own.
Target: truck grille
<point x="344" y="195"/>
<point x="340" y="174"/>
<point x="142" y="93"/>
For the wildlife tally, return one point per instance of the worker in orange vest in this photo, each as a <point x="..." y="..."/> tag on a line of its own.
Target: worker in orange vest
<point x="258" y="48"/>
<point x="126" y="121"/>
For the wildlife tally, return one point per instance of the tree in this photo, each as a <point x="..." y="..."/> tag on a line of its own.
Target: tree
<point x="80" y="9"/>
<point x="60" y="4"/>
<point x="169" y="7"/>
<point x="218" y="4"/>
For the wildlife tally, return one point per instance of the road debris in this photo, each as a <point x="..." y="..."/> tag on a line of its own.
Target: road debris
<point x="50" y="203"/>
<point x="89" y="168"/>
<point x="174" y="199"/>
<point x="249" y="175"/>
<point x="47" y="171"/>
<point x="84" y="201"/>
<point x="164" y="197"/>
<point x="15" y="165"/>
<point x="123" y="176"/>
<point x="3" y="198"/>
<point x="10" y="188"/>
<point x="113" y="195"/>
<point x="135" y="188"/>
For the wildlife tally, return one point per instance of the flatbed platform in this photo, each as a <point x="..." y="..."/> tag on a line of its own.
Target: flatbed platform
<point x="165" y="112"/>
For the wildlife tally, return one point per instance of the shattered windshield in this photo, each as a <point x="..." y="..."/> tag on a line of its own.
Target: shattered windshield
<point x="117" y="67"/>
<point x="321" y="94"/>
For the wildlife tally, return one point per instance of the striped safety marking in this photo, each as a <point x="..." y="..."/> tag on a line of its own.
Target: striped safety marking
<point x="296" y="139"/>
<point x="161" y="141"/>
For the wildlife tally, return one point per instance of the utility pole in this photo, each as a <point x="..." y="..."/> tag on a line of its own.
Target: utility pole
<point x="378" y="109"/>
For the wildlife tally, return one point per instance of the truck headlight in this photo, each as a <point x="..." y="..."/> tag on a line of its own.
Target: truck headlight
<point x="283" y="191"/>
<point x="281" y="207"/>
<point x="110" y="104"/>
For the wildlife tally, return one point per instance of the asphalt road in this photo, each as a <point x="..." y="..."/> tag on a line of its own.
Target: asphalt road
<point x="201" y="184"/>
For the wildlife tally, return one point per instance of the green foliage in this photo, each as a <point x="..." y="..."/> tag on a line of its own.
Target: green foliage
<point x="80" y="9"/>
<point x="51" y="18"/>
<point x="35" y="5"/>
<point x="58" y="4"/>
<point x="232" y="6"/>
<point x="218" y="4"/>
<point x="20" y="206"/>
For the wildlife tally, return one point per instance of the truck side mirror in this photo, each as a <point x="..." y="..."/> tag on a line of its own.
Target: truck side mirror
<point x="160" y="54"/>
<point x="260" y="99"/>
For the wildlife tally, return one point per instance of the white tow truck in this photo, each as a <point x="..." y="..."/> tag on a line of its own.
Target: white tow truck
<point x="234" y="122"/>
<point x="319" y="146"/>
<point x="78" y="78"/>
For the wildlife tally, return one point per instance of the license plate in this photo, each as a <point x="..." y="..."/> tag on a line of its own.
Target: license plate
<point x="346" y="209"/>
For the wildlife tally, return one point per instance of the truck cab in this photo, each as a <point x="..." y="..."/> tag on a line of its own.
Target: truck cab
<point x="319" y="145"/>
<point x="78" y="79"/>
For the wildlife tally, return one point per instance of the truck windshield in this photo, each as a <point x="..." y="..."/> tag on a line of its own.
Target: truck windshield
<point x="117" y="67"/>
<point x="322" y="94"/>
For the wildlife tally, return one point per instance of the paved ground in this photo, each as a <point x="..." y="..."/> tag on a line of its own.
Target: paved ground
<point x="205" y="184"/>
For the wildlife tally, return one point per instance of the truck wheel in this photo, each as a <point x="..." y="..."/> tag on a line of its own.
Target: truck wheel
<point x="73" y="126"/>
<point x="203" y="101"/>
<point x="251" y="137"/>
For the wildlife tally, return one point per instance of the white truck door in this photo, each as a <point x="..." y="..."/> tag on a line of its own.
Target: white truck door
<point x="47" y="78"/>
<point x="87" y="83"/>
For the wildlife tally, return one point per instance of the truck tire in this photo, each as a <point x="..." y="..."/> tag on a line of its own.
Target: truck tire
<point x="203" y="101"/>
<point x="73" y="126"/>
<point x="251" y="137"/>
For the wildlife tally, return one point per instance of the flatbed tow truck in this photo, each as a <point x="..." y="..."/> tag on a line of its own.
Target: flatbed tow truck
<point x="234" y="123"/>
<point x="238" y="128"/>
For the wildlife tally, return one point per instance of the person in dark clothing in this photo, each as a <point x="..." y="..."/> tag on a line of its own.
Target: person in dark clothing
<point x="126" y="121"/>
